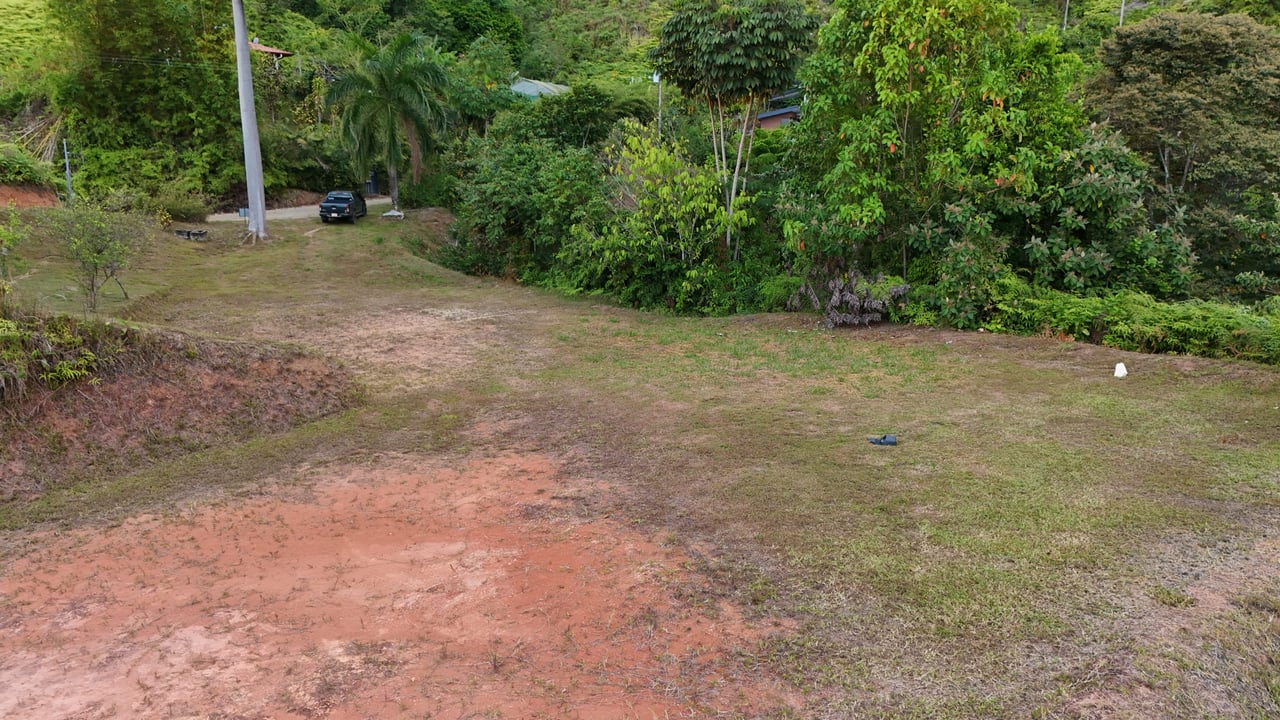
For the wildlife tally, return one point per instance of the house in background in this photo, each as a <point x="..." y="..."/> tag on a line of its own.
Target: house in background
<point x="783" y="109"/>
<point x="774" y="119"/>
<point x="274" y="52"/>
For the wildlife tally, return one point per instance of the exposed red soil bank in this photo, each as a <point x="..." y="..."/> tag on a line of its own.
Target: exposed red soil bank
<point x="25" y="196"/>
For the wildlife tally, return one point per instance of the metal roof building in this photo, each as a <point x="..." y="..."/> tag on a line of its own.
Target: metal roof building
<point x="536" y="88"/>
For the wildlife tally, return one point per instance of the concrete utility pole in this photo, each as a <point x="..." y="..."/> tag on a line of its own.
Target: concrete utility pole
<point x="66" y="163"/>
<point x="249" y="126"/>
<point x="657" y="80"/>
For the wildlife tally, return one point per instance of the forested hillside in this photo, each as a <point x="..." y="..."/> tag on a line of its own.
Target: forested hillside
<point x="1070" y="167"/>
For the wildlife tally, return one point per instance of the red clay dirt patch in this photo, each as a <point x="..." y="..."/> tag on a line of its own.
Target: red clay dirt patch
<point x="27" y="196"/>
<point x="406" y="589"/>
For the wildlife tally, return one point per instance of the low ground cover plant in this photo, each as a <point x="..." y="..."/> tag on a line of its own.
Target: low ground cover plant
<point x="1131" y="320"/>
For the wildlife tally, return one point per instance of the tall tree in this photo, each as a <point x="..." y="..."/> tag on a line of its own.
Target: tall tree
<point x="480" y="84"/>
<point x="948" y="145"/>
<point x="1198" y="96"/>
<point x="391" y="104"/>
<point x="731" y="57"/>
<point x="917" y="103"/>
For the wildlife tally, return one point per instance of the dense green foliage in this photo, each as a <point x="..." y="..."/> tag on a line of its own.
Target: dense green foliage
<point x="1089" y="229"/>
<point x="480" y="85"/>
<point x="731" y="57"/>
<point x="659" y="248"/>
<point x="151" y="82"/>
<point x="1135" y="321"/>
<point x="944" y="144"/>
<point x="12" y="232"/>
<point x="520" y="190"/>
<point x="931" y="125"/>
<point x="1198" y="97"/>
<point x="587" y="37"/>
<point x="26" y="28"/>
<point x="17" y="167"/>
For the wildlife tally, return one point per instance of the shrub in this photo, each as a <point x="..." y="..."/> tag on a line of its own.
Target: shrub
<point x="851" y="298"/>
<point x="179" y="204"/>
<point x="53" y="351"/>
<point x="1019" y="308"/>
<point x="965" y="254"/>
<point x="104" y="174"/>
<point x="1196" y="327"/>
<point x="662" y="244"/>
<point x="436" y="187"/>
<point x="1130" y="320"/>
<point x="19" y="168"/>
<point x="1089" y="228"/>
<point x="517" y="204"/>
<point x="774" y="292"/>
<point x="174" y="200"/>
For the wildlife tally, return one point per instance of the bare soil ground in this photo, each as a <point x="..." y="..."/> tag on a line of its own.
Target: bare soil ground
<point x="409" y="584"/>
<point x="405" y="589"/>
<point x="26" y="196"/>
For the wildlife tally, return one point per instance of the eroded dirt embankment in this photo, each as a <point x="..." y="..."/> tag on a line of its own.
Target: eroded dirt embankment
<point x="27" y="196"/>
<point x="173" y="396"/>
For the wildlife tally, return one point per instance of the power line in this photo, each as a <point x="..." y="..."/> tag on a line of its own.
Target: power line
<point x="163" y="62"/>
<point x="171" y="63"/>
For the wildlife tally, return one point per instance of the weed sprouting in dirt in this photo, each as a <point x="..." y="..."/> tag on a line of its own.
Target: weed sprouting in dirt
<point x="1173" y="597"/>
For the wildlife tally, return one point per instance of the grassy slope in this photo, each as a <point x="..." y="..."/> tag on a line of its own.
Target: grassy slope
<point x="25" y="29"/>
<point x="1033" y="542"/>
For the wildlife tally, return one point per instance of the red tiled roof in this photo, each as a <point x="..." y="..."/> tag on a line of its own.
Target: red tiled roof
<point x="269" y="50"/>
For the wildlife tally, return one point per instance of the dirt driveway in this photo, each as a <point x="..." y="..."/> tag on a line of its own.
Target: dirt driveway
<point x="393" y="585"/>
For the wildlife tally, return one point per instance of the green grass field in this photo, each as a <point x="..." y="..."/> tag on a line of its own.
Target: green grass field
<point x="1045" y="541"/>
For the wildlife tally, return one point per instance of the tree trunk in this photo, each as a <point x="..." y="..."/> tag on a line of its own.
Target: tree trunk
<point x="737" y="170"/>
<point x="393" y="183"/>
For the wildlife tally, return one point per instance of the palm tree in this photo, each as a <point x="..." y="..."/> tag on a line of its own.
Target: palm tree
<point x="390" y="100"/>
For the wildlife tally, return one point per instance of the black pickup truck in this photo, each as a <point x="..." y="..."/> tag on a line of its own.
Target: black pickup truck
<point x="342" y="205"/>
